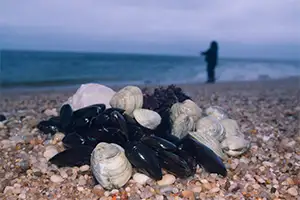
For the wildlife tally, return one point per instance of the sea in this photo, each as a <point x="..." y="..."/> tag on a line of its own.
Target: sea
<point x="37" y="69"/>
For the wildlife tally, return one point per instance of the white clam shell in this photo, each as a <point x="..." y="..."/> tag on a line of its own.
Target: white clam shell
<point x="231" y="127"/>
<point x="182" y="125"/>
<point x="128" y="98"/>
<point x="110" y="166"/>
<point x="217" y="112"/>
<point x="89" y="94"/>
<point x="187" y="107"/>
<point x="210" y="142"/>
<point x="235" y="145"/>
<point x="211" y="126"/>
<point x="147" y="118"/>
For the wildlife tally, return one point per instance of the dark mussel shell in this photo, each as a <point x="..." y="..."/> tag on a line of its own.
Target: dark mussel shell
<point x="73" y="139"/>
<point x="143" y="159"/>
<point x="171" y="138"/>
<point x="110" y="135"/>
<point x="84" y="117"/>
<point x="77" y="156"/>
<point x="96" y="108"/>
<point x="135" y="132"/>
<point x="65" y="115"/>
<point x="158" y="143"/>
<point x="204" y="155"/>
<point x="174" y="164"/>
<point x="191" y="161"/>
<point x="50" y="126"/>
<point x="113" y="119"/>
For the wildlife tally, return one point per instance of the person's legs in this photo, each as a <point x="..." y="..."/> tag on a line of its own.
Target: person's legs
<point x="210" y="73"/>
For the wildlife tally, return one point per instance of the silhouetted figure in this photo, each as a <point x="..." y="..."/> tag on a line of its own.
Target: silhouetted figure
<point x="211" y="58"/>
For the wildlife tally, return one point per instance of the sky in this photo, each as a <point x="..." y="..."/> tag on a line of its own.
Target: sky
<point x="243" y="28"/>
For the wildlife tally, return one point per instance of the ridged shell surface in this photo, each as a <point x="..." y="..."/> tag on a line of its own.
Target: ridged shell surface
<point x="182" y="125"/>
<point x="110" y="166"/>
<point x="210" y="142"/>
<point x="128" y="98"/>
<point x="216" y="112"/>
<point x="231" y="127"/>
<point x="211" y="126"/>
<point x="187" y="107"/>
<point x="235" y="145"/>
<point x="147" y="118"/>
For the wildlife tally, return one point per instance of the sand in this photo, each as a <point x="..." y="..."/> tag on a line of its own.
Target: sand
<point x="268" y="113"/>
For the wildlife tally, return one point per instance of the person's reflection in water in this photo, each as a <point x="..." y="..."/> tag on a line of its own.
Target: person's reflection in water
<point x="211" y="58"/>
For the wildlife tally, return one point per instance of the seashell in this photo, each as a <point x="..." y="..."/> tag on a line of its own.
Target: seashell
<point x="210" y="142"/>
<point x="128" y="98"/>
<point x="187" y="107"/>
<point x="217" y="112"/>
<point x="231" y="127"/>
<point x="110" y="166"/>
<point x="147" y="118"/>
<point x="182" y="124"/>
<point x="235" y="145"/>
<point x="90" y="94"/>
<point x="211" y="126"/>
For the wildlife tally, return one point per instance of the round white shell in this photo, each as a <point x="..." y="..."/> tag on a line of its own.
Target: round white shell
<point x="231" y="127"/>
<point x="128" y="98"/>
<point x="147" y="118"/>
<point x="216" y="112"/>
<point x="187" y="107"/>
<point x="89" y="94"/>
<point x="211" y="126"/>
<point x="182" y="125"/>
<point x="210" y="142"/>
<point x="110" y="166"/>
<point x="235" y="145"/>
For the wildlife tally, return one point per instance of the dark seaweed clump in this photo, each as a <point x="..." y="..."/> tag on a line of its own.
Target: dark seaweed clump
<point x="161" y="101"/>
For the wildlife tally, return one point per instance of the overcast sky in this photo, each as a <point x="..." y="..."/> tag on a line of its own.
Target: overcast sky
<point x="243" y="28"/>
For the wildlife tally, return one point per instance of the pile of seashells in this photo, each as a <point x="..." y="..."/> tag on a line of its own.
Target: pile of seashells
<point x="112" y="164"/>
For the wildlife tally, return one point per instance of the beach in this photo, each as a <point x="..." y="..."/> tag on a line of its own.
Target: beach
<point x="268" y="113"/>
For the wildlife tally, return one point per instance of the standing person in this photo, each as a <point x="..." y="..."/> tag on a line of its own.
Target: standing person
<point x="211" y="58"/>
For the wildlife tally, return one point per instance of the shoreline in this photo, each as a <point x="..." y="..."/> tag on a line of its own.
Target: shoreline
<point x="291" y="81"/>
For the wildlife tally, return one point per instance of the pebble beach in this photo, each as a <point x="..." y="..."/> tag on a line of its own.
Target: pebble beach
<point x="268" y="113"/>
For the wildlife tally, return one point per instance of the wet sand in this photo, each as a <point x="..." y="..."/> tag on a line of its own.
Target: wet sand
<point x="268" y="113"/>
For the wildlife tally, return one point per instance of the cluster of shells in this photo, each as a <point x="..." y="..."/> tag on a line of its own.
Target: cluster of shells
<point x="212" y="128"/>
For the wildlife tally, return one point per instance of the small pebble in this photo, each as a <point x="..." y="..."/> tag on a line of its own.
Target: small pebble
<point x="167" y="179"/>
<point x="140" y="178"/>
<point x="293" y="191"/>
<point x="84" y="168"/>
<point x="214" y="190"/>
<point x="188" y="194"/>
<point x="56" y="179"/>
<point x="98" y="190"/>
<point x="50" y="152"/>
<point x="51" y="112"/>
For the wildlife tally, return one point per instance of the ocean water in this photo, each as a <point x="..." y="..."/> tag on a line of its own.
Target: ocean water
<point x="42" y="69"/>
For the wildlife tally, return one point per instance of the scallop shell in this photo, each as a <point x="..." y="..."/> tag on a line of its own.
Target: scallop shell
<point x="182" y="125"/>
<point x="187" y="107"/>
<point x="110" y="166"/>
<point x="235" y="145"/>
<point x="147" y="118"/>
<point x="216" y="112"/>
<point x="231" y="127"/>
<point x="210" y="142"/>
<point x="211" y="126"/>
<point x="128" y="98"/>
